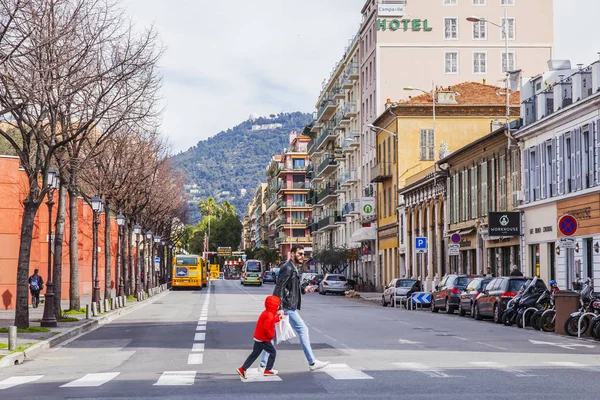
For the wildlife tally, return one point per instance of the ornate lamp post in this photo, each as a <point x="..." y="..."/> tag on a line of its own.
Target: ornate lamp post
<point x="148" y="247"/>
<point x="163" y="268"/>
<point x="97" y="207"/>
<point x="154" y="272"/>
<point x="169" y="262"/>
<point x="120" y="264"/>
<point x="49" y="318"/>
<point x="137" y="230"/>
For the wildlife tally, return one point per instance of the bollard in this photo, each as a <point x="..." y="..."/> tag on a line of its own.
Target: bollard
<point x="87" y="311"/>
<point x="94" y="309"/>
<point x="112" y="304"/>
<point x="101" y="306"/>
<point x="106" y="305"/>
<point x="12" y="338"/>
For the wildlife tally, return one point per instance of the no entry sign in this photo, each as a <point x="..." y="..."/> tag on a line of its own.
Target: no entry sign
<point x="567" y="225"/>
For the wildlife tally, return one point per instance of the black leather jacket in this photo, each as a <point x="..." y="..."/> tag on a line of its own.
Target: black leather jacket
<point x="288" y="287"/>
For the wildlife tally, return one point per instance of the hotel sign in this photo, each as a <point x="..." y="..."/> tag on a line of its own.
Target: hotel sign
<point x="390" y="10"/>
<point x="403" y="24"/>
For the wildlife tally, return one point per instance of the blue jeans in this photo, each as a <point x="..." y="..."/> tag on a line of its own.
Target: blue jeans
<point x="301" y="330"/>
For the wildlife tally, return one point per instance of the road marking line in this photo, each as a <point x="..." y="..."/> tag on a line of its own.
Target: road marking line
<point x="198" y="347"/>
<point x="200" y="337"/>
<point x="176" y="378"/>
<point x="201" y="328"/>
<point x="92" y="380"/>
<point x="252" y="375"/>
<point x="491" y="345"/>
<point x="460" y="338"/>
<point x="424" y="369"/>
<point x="331" y="338"/>
<point x="316" y="329"/>
<point x="203" y="319"/>
<point x="18" y="380"/>
<point x="344" y="372"/>
<point x="519" y="373"/>
<point x="195" y="359"/>
<point x="565" y="364"/>
<point x="201" y="323"/>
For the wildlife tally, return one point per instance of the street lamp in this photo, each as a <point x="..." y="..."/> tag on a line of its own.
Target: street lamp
<point x="504" y="28"/>
<point x="148" y="247"/>
<point x="155" y="251"/>
<point x="49" y="318"/>
<point x="97" y="209"/>
<point x="381" y="129"/>
<point x="120" y="264"/>
<point x="138" y="266"/>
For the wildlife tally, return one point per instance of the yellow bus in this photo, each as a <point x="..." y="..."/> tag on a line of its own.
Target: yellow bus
<point x="189" y="270"/>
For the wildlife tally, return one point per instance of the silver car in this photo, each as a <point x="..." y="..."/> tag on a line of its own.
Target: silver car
<point x="403" y="288"/>
<point x="333" y="283"/>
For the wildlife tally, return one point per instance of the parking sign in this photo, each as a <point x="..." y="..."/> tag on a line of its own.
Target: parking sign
<point x="421" y="245"/>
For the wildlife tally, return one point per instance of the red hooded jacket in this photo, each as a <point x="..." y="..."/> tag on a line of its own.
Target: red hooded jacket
<point x="265" y="327"/>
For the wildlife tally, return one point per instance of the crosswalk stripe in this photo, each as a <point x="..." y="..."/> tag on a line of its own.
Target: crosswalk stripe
<point x="18" y="380"/>
<point x="252" y="375"/>
<point x="176" y="378"/>
<point x="519" y="373"/>
<point x="565" y="364"/>
<point x="198" y="347"/>
<point x="201" y="328"/>
<point x="195" y="359"/>
<point x="344" y="372"/>
<point x="92" y="380"/>
<point x="203" y="319"/>
<point x="432" y="372"/>
<point x="200" y="337"/>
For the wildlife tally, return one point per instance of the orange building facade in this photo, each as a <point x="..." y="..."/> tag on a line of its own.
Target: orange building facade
<point x="13" y="189"/>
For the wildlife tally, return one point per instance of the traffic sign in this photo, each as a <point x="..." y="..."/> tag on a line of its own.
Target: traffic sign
<point x="455" y="238"/>
<point x="453" y="249"/>
<point x="244" y="257"/>
<point x="421" y="297"/>
<point x="156" y="259"/>
<point x="420" y="245"/>
<point x="567" y="225"/>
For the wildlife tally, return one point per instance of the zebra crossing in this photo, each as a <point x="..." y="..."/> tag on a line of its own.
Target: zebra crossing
<point x="337" y="372"/>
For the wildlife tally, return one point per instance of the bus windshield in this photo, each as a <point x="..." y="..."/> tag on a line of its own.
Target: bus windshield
<point x="186" y="260"/>
<point x="253" y="266"/>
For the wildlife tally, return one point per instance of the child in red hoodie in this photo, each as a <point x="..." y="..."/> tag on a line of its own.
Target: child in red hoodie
<point x="263" y="337"/>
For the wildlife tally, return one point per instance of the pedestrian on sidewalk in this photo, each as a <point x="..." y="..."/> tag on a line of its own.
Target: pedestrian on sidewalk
<point x="36" y="284"/>
<point x="263" y="337"/>
<point x="289" y="289"/>
<point x="516" y="271"/>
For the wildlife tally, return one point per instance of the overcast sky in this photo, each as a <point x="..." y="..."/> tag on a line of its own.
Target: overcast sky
<point x="227" y="59"/>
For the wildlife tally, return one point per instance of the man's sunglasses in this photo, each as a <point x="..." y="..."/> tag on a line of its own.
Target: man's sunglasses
<point x="300" y="253"/>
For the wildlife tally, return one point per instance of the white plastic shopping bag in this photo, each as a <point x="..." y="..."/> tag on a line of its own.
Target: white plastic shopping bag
<point x="283" y="330"/>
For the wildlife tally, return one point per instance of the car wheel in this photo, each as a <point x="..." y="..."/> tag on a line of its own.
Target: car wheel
<point x="477" y="316"/>
<point x="472" y="310"/>
<point x="392" y="302"/>
<point x="383" y="303"/>
<point x="461" y="311"/>
<point x="322" y="292"/>
<point x="497" y="315"/>
<point x="448" y="309"/>
<point x="433" y="309"/>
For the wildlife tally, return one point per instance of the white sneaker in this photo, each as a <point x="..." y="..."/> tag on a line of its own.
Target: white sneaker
<point x="261" y="369"/>
<point x="318" y="365"/>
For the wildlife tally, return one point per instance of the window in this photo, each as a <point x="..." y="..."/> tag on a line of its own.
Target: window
<point x="465" y="196"/>
<point x="456" y="199"/>
<point x="484" y="188"/>
<point x="479" y="63"/>
<point x="514" y="177"/>
<point x="299" y="163"/>
<point x="384" y="203"/>
<point x="474" y="191"/>
<point x="510" y="28"/>
<point x="450" y="28"/>
<point x="597" y="158"/>
<point x="502" y="174"/>
<point x="480" y="30"/>
<point x="492" y="185"/>
<point x="451" y="63"/>
<point x="450" y="2"/>
<point x="299" y="200"/>
<point x="426" y="144"/>
<point x="390" y="201"/>
<point x="507" y="2"/>
<point x="512" y="65"/>
<point x="479" y="2"/>
<point x="569" y="160"/>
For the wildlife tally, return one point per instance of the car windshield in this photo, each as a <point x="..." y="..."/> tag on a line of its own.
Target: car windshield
<point x="405" y="282"/>
<point x="462" y="281"/>
<point x="186" y="260"/>
<point x="253" y="266"/>
<point x="514" y="285"/>
<point x="335" y="278"/>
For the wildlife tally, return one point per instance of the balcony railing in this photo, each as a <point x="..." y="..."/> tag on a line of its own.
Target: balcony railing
<point x="327" y="162"/>
<point x="350" y="109"/>
<point x="328" y="221"/>
<point x="293" y="239"/>
<point x="350" y="207"/>
<point x="327" y="133"/>
<point x="326" y="108"/>
<point x="291" y="204"/>
<point x="381" y="172"/>
<point x="327" y="191"/>
<point x="347" y="177"/>
<point x="294" y="221"/>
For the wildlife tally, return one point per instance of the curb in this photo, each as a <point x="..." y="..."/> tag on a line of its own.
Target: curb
<point x="94" y="322"/>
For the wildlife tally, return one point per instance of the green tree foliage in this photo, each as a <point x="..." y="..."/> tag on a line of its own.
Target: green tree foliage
<point x="227" y="233"/>
<point x="333" y="259"/>
<point x="225" y="228"/>
<point x="236" y="159"/>
<point x="268" y="256"/>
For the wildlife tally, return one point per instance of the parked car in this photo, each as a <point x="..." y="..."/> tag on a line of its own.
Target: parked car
<point x="469" y="295"/>
<point x="447" y="293"/>
<point x="403" y="288"/>
<point x="491" y="303"/>
<point x="316" y="280"/>
<point x="269" y="276"/>
<point x="333" y="283"/>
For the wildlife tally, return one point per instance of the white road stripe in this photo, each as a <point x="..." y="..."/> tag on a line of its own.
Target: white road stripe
<point x="519" y="373"/>
<point x="92" y="380"/>
<point x="201" y="323"/>
<point x="198" y="347"/>
<point x="344" y="372"/>
<point x="252" y="375"/>
<point x="565" y="364"/>
<point x="424" y="369"/>
<point x="195" y="359"/>
<point x="176" y="378"/>
<point x="491" y="345"/>
<point x="203" y="319"/>
<point x="199" y="337"/>
<point x="18" y="380"/>
<point x="201" y="328"/>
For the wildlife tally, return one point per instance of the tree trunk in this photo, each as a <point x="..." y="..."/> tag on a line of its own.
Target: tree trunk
<point x="107" y="261"/>
<point x="74" y="299"/>
<point x="132" y="268"/>
<point x="59" y="235"/>
<point x="126" y="255"/>
<point x="22" y="301"/>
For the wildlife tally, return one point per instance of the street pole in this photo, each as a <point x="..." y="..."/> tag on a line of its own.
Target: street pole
<point x="505" y="33"/>
<point x="120" y="268"/>
<point x="137" y="265"/>
<point x="97" y="209"/>
<point x="49" y="318"/>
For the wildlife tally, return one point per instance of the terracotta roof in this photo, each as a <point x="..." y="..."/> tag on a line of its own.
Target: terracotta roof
<point x="470" y="94"/>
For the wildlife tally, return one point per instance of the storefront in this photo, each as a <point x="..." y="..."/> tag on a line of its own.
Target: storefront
<point x="540" y="242"/>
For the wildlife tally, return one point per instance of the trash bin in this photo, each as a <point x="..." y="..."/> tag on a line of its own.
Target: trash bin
<point x="565" y="303"/>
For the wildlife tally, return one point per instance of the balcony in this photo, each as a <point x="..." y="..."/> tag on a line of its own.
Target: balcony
<point x="313" y="227"/>
<point x="293" y="204"/>
<point x="350" y="76"/>
<point x="293" y="239"/>
<point x="327" y="166"/>
<point x="326" y="110"/>
<point x="351" y="141"/>
<point x="381" y="172"/>
<point x="295" y="186"/>
<point x="326" y="223"/>
<point x="347" y="178"/>
<point x="327" y="194"/>
<point x="339" y="93"/>
<point x="325" y="136"/>
<point x="350" y="110"/>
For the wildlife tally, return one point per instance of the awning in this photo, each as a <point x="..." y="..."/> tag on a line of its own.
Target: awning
<point x="465" y="232"/>
<point x="486" y="236"/>
<point x="364" y="234"/>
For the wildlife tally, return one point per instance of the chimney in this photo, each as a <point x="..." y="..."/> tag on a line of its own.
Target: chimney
<point x="484" y="81"/>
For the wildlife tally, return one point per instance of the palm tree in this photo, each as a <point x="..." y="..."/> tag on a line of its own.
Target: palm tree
<point x="228" y="208"/>
<point x="209" y="207"/>
<point x="268" y="256"/>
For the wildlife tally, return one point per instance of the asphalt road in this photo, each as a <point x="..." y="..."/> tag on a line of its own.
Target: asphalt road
<point x="188" y="345"/>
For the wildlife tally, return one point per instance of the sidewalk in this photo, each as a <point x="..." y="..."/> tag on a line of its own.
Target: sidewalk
<point x="370" y="296"/>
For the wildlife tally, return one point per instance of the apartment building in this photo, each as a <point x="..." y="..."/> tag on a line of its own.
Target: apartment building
<point x="560" y="146"/>
<point x="412" y="136"/>
<point x="334" y="152"/>
<point x="270" y="200"/>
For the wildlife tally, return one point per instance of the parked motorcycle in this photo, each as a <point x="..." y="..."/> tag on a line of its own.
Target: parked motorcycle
<point x="510" y="314"/>
<point x="596" y="323"/>
<point x="588" y="303"/>
<point x="534" y="291"/>
<point x="544" y="303"/>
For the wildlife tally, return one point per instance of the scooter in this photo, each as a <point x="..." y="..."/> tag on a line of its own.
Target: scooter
<point x="588" y="303"/>
<point x="530" y="298"/>
<point x="509" y="315"/>
<point x="544" y="303"/>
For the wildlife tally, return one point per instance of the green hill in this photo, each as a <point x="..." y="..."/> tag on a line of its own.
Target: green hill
<point x="233" y="162"/>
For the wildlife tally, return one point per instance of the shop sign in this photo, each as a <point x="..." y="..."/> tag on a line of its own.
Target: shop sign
<point x="567" y="243"/>
<point x="390" y="10"/>
<point x="367" y="206"/>
<point x="504" y="223"/>
<point x="404" y="25"/>
<point x="544" y="229"/>
<point x="453" y="249"/>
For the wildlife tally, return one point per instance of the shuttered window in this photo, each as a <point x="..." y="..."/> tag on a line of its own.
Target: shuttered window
<point x="527" y="181"/>
<point x="502" y="173"/>
<point x="514" y="177"/>
<point x="578" y="159"/>
<point x="597" y="141"/>
<point x="456" y="200"/>
<point x="553" y="168"/>
<point x="560" y="164"/>
<point x="474" y="192"/>
<point x="465" y="196"/>
<point x="426" y="144"/>
<point x="484" y="188"/>
<point x="493" y="185"/>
